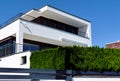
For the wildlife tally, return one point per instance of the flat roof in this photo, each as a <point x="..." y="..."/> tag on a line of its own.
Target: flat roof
<point x="113" y="42"/>
<point x="69" y="13"/>
<point x="55" y="14"/>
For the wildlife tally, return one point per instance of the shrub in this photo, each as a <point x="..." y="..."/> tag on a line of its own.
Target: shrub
<point x="77" y="58"/>
<point x="48" y="59"/>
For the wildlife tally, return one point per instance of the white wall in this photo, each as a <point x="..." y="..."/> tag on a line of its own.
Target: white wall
<point x="9" y="29"/>
<point x="14" y="61"/>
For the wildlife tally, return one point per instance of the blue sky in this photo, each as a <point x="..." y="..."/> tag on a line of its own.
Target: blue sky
<point x="103" y="14"/>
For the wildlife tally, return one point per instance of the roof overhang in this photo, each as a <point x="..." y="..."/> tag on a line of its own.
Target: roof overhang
<point x="32" y="14"/>
<point x="55" y="14"/>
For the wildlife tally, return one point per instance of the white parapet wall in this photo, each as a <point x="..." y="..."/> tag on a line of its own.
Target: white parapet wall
<point x="20" y="60"/>
<point x="89" y="79"/>
<point x="96" y="79"/>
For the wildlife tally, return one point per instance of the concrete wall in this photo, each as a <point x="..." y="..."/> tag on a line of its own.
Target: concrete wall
<point x="14" y="61"/>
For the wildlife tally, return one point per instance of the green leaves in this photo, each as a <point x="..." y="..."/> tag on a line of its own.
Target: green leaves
<point x="48" y="59"/>
<point x="77" y="58"/>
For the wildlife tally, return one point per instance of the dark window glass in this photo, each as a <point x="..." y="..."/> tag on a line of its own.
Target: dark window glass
<point x="55" y="24"/>
<point x="31" y="47"/>
<point x="6" y="48"/>
<point x="23" y="60"/>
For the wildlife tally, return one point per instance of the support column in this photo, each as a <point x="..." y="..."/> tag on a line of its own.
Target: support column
<point x="19" y="40"/>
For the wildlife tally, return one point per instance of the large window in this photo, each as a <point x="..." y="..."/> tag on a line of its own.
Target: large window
<point x="34" y="45"/>
<point x="7" y="47"/>
<point x="31" y="47"/>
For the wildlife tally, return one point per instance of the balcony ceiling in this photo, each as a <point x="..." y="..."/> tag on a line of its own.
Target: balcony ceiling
<point x="32" y="14"/>
<point x="47" y="40"/>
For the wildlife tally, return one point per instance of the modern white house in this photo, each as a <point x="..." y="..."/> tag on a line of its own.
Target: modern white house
<point x="40" y="29"/>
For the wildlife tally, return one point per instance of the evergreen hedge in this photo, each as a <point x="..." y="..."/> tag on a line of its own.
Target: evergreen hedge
<point x="48" y="59"/>
<point x="77" y="58"/>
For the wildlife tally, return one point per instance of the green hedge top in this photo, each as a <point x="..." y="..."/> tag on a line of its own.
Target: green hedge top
<point x="77" y="58"/>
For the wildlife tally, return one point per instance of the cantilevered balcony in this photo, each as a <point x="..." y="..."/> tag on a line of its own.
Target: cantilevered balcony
<point x="42" y="33"/>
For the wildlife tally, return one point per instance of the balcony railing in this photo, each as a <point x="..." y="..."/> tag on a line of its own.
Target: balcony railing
<point x="83" y="34"/>
<point x="10" y="20"/>
<point x="7" y="50"/>
<point x="11" y="49"/>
